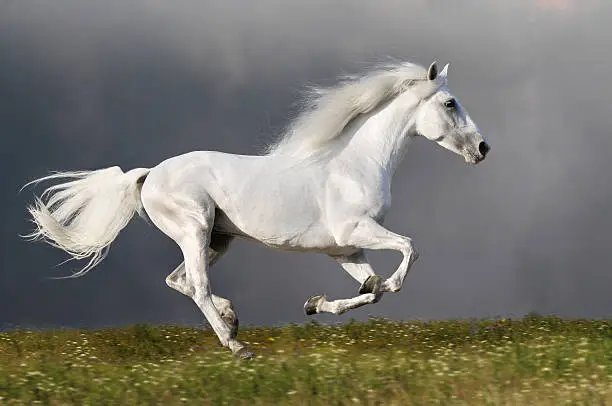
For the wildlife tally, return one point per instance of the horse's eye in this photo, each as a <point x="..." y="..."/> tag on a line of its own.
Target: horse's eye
<point x="450" y="104"/>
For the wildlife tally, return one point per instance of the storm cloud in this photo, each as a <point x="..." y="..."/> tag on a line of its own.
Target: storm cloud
<point x="85" y="85"/>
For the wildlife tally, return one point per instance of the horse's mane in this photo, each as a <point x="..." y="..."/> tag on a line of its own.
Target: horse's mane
<point x="327" y="111"/>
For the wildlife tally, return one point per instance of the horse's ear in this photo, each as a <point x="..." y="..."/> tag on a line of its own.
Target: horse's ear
<point x="444" y="72"/>
<point x="432" y="72"/>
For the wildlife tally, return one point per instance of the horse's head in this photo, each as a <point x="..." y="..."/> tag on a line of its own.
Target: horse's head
<point x="442" y="119"/>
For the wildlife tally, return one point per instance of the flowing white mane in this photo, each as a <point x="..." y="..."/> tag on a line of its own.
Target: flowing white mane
<point x="327" y="111"/>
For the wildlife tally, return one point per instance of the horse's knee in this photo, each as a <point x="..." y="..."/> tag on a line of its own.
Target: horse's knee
<point x="410" y="250"/>
<point x="392" y="286"/>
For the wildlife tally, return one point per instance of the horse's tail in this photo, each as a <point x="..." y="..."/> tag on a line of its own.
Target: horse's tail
<point x="84" y="215"/>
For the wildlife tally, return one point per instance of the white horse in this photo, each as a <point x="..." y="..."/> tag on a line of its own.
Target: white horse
<point x="324" y="187"/>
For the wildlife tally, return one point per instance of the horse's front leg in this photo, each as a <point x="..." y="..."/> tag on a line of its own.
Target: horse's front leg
<point x="358" y="267"/>
<point x="320" y="304"/>
<point x="368" y="234"/>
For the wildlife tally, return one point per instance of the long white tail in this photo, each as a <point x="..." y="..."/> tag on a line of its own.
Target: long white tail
<point x="84" y="215"/>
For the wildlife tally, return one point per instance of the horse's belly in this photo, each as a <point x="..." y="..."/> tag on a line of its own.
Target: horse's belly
<point x="277" y="228"/>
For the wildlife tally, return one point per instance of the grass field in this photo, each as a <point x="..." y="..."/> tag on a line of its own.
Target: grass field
<point x="532" y="361"/>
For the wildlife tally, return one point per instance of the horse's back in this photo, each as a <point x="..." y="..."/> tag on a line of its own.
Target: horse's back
<point x="259" y="197"/>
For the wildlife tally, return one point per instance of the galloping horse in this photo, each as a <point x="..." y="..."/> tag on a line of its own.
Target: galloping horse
<point x="324" y="187"/>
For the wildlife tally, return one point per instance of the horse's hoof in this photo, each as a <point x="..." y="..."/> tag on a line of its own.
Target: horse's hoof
<point x="243" y="353"/>
<point x="310" y="307"/>
<point x="371" y="285"/>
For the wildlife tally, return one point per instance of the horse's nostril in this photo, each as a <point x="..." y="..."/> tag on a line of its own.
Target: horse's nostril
<point x="483" y="148"/>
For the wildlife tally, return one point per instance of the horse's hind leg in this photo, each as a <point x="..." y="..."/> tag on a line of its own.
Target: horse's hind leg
<point x="189" y="223"/>
<point x="193" y="245"/>
<point x="219" y="245"/>
<point x="177" y="280"/>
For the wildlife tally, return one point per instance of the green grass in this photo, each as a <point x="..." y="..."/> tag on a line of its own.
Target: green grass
<point x="533" y="361"/>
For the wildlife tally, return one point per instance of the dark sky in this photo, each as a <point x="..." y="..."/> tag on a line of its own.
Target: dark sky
<point x="85" y="85"/>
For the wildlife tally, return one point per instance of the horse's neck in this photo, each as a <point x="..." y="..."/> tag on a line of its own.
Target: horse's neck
<point x="383" y="137"/>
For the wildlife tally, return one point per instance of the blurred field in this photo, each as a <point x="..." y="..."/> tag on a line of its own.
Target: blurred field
<point x="533" y="361"/>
